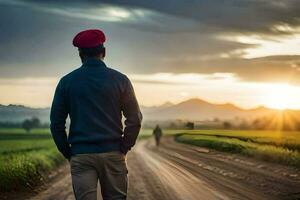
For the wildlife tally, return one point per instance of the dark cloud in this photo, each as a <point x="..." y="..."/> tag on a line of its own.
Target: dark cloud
<point x="215" y="15"/>
<point x="228" y="15"/>
<point x="160" y="36"/>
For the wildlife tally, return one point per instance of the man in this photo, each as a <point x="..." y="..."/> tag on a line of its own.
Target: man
<point x="157" y="132"/>
<point x="95" y="96"/>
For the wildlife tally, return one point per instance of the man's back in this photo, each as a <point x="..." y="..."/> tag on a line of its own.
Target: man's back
<point x="95" y="96"/>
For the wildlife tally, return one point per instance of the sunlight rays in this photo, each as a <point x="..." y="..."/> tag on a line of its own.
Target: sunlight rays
<point x="280" y="120"/>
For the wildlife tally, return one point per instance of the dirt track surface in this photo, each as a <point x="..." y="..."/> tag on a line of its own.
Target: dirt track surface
<point x="183" y="172"/>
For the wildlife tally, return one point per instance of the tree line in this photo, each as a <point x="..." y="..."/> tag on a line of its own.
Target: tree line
<point x="27" y="124"/>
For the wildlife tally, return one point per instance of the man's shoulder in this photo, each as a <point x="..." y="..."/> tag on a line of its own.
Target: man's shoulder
<point x="117" y="74"/>
<point x="71" y="74"/>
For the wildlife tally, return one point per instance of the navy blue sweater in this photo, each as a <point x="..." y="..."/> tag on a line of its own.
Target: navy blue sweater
<point x="94" y="96"/>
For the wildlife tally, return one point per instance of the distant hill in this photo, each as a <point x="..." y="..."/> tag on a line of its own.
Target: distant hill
<point x="17" y="113"/>
<point x="197" y="109"/>
<point x="192" y="109"/>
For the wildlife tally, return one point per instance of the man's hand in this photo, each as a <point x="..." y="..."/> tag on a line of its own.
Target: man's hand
<point x="123" y="155"/>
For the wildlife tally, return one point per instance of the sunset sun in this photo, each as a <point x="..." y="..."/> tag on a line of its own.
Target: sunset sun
<point x="280" y="97"/>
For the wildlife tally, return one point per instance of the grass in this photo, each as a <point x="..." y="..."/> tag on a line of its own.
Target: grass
<point x="22" y="131"/>
<point x="18" y="134"/>
<point x="272" y="146"/>
<point x="286" y="139"/>
<point x="26" y="157"/>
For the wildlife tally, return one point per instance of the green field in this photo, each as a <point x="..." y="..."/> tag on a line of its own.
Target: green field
<point x="26" y="157"/>
<point x="274" y="146"/>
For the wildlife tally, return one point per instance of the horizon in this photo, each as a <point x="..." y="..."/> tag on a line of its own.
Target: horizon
<point x="197" y="55"/>
<point x="174" y="104"/>
<point x="280" y="96"/>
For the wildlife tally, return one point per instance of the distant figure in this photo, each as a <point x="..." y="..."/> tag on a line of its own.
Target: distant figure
<point x="95" y="96"/>
<point x="157" y="132"/>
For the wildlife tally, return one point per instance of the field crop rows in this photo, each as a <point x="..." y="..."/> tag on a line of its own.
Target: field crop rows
<point x="273" y="146"/>
<point x="25" y="158"/>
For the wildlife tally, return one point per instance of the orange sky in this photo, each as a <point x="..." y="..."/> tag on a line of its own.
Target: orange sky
<point x="157" y="89"/>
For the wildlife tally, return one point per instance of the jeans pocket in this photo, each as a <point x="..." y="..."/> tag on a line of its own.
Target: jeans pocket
<point x="116" y="163"/>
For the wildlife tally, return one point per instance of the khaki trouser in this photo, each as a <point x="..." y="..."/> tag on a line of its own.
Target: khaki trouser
<point x="109" y="168"/>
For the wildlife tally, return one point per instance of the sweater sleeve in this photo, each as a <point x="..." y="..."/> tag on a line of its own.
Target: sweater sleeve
<point x="133" y="118"/>
<point x="58" y="117"/>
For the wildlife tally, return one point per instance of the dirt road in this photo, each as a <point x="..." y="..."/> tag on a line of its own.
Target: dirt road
<point x="182" y="172"/>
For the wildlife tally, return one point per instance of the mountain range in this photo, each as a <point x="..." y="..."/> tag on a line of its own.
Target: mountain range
<point x="192" y="109"/>
<point x="198" y="110"/>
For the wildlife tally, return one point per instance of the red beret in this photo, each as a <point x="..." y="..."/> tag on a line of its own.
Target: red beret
<point x="89" y="38"/>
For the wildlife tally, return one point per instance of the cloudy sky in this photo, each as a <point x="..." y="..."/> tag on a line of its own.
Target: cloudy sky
<point x="245" y="52"/>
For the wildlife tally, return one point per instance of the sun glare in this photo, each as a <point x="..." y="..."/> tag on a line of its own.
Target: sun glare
<point x="280" y="96"/>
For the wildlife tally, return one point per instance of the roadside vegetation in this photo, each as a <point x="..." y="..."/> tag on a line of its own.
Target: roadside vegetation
<point x="26" y="157"/>
<point x="274" y="146"/>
